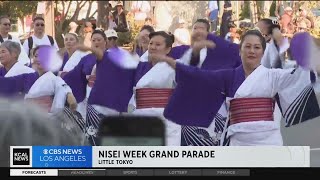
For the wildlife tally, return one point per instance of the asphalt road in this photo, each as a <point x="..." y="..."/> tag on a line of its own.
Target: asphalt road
<point x="304" y="134"/>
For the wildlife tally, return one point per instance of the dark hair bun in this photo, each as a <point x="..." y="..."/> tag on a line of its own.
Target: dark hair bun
<point x="171" y="37"/>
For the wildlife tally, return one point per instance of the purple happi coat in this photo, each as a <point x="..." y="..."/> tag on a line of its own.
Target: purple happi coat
<point x="77" y="79"/>
<point x="17" y="85"/>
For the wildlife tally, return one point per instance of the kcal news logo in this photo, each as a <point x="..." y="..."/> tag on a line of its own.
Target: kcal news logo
<point x="21" y="156"/>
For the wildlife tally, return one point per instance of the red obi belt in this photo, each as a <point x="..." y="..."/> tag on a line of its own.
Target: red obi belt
<point x="251" y="109"/>
<point x="43" y="101"/>
<point x="152" y="98"/>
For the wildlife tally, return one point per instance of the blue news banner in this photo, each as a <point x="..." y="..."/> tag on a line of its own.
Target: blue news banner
<point x="58" y="156"/>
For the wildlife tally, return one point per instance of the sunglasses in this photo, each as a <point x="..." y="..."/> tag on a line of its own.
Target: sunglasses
<point x="7" y="24"/>
<point x="112" y="38"/>
<point x="39" y="25"/>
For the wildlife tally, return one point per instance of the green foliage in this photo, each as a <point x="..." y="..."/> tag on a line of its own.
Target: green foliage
<point x="273" y="9"/>
<point x="18" y="8"/>
<point x="124" y="38"/>
<point x="315" y="33"/>
<point x="127" y="38"/>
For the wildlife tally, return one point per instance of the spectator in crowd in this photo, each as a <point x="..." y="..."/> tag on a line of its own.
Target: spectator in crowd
<point x="302" y="26"/>
<point x="226" y="19"/>
<point x="120" y="18"/>
<point x="301" y="21"/>
<point x="73" y="27"/>
<point x="5" y="27"/>
<point x="112" y="38"/>
<point x="39" y="37"/>
<point x="148" y="21"/>
<point x="213" y="12"/>
<point x="182" y="34"/>
<point x="87" y="33"/>
<point x="142" y="41"/>
<point x="141" y="10"/>
<point x="111" y="22"/>
<point x="232" y="35"/>
<point x="286" y="23"/>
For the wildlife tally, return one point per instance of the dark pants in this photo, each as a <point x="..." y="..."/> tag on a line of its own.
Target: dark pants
<point x="213" y="25"/>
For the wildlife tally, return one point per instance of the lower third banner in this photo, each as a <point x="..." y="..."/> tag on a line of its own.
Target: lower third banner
<point x="158" y="156"/>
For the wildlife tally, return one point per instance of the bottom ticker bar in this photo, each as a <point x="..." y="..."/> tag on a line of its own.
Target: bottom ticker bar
<point x="33" y="172"/>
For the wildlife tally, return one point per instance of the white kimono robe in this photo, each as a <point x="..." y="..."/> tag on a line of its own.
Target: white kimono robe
<point x="74" y="60"/>
<point x="287" y="83"/>
<point x="153" y="79"/>
<point x="274" y="58"/>
<point x="17" y="69"/>
<point x="50" y="85"/>
<point x="162" y="75"/>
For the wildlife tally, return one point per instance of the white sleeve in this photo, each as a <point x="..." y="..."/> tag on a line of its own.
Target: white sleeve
<point x="186" y="58"/>
<point x="290" y="79"/>
<point x="61" y="89"/>
<point x="23" y="57"/>
<point x="265" y="61"/>
<point x="61" y="84"/>
<point x="26" y="46"/>
<point x="272" y="55"/>
<point x="55" y="44"/>
<point x="296" y="95"/>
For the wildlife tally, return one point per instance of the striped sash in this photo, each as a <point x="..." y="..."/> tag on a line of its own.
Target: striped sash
<point x="92" y="124"/>
<point x="43" y="101"/>
<point x="152" y="97"/>
<point x="251" y="109"/>
<point x="91" y="80"/>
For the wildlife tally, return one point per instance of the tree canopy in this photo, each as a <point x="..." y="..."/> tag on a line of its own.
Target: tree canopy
<point x="18" y="8"/>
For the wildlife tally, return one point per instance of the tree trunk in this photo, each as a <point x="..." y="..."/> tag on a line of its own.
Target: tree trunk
<point x="89" y="10"/>
<point x="253" y="12"/>
<point x="266" y="8"/>
<point x="102" y="10"/>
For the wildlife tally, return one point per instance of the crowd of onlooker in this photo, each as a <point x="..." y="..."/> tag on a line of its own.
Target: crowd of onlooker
<point x="290" y="22"/>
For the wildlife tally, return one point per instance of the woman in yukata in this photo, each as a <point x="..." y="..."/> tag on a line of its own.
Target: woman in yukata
<point x="249" y="93"/>
<point x="42" y="87"/>
<point x="72" y="56"/>
<point x="80" y="79"/>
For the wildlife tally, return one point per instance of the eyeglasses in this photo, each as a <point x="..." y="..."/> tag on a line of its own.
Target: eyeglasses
<point x="7" y="24"/>
<point x="39" y="25"/>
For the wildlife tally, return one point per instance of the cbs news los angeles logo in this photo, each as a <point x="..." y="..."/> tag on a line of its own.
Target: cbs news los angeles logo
<point x="20" y="156"/>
